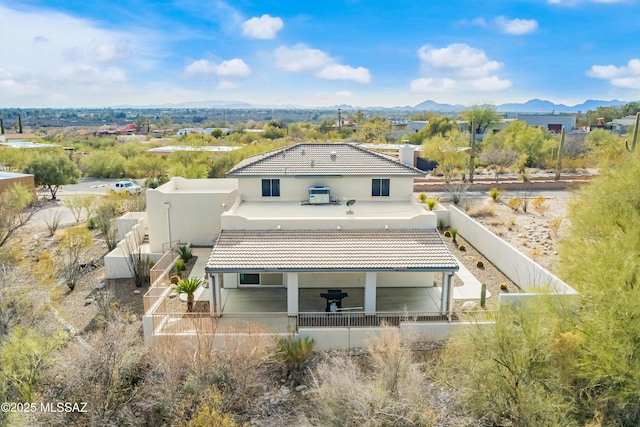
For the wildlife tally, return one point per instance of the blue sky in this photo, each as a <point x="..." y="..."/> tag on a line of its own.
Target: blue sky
<point x="74" y="53"/>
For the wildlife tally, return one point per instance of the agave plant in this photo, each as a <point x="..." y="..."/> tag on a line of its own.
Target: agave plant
<point x="189" y="286"/>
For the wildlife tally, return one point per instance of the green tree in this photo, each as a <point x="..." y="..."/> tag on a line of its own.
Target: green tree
<point x="533" y="143"/>
<point x="376" y="129"/>
<point x="447" y="151"/>
<point x="484" y="115"/>
<point x="52" y="169"/>
<point x="14" y="211"/>
<point x="600" y="259"/>
<point x="74" y="245"/>
<point x="438" y="126"/>
<point x="509" y="373"/>
<point x="143" y="124"/>
<point x="605" y="148"/>
<point x="25" y="354"/>
<point x="498" y="157"/>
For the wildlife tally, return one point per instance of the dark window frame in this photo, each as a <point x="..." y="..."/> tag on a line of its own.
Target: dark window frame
<point x="380" y="187"/>
<point x="271" y="187"/>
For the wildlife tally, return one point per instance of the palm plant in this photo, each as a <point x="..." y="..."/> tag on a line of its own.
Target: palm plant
<point x="189" y="286"/>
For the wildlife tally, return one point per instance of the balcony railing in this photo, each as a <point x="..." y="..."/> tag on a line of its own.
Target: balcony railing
<point x="254" y="323"/>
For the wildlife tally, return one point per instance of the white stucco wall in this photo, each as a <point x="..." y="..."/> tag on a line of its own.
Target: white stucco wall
<point x="195" y="206"/>
<point x="518" y="267"/>
<point x="296" y="189"/>
<point x="404" y="279"/>
<point x="331" y="280"/>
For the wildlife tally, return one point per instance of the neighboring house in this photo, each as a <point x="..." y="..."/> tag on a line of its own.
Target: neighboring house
<point x="552" y="122"/>
<point x="7" y="179"/>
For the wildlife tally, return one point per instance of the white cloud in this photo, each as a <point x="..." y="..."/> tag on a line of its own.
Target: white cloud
<point x="264" y="27"/>
<point x="456" y="68"/>
<point x="301" y="58"/>
<point x="516" y="26"/>
<point x="115" y="50"/>
<point x="231" y="68"/>
<point x="626" y="76"/>
<point x="60" y="58"/>
<point x="344" y="94"/>
<point x="344" y="72"/>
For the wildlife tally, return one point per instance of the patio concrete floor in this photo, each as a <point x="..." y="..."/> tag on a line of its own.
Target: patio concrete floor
<point x="274" y="299"/>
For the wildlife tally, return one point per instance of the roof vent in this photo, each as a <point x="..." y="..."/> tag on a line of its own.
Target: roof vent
<point x="333" y="155"/>
<point x="312" y="163"/>
<point x="303" y="151"/>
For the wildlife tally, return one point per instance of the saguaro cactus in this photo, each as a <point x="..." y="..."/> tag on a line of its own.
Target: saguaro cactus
<point x="560" y="152"/>
<point x="635" y="136"/>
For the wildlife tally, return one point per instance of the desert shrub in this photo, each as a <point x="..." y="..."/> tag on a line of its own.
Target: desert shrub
<point x="554" y="225"/>
<point x="508" y="374"/>
<point x="179" y="265"/>
<point x="292" y="353"/>
<point x="440" y="224"/>
<point x="431" y="204"/>
<point x="481" y="211"/>
<point x="454" y="234"/>
<point x="92" y="223"/>
<point x="479" y="264"/>
<point x="447" y="233"/>
<point x="495" y="195"/>
<point x="52" y="219"/>
<point x="392" y="393"/>
<point x="185" y="253"/>
<point x="503" y="286"/>
<point x="462" y="247"/>
<point x="515" y="203"/>
<point x="174" y="280"/>
<point x="422" y="197"/>
<point x="539" y="205"/>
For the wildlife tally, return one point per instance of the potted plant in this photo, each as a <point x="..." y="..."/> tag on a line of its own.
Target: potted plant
<point x="189" y="286"/>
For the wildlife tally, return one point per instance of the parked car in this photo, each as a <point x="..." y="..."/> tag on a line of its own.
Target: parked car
<point x="125" y="187"/>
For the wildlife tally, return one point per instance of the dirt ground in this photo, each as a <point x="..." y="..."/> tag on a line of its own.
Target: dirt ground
<point x="535" y="232"/>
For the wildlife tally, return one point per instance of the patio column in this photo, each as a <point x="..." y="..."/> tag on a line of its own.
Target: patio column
<point x="292" y="293"/>
<point x="446" y="295"/>
<point x="371" y="279"/>
<point x="444" y="292"/>
<point x="211" y="295"/>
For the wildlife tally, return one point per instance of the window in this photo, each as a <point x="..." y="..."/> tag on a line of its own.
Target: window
<point x="249" y="279"/>
<point x="270" y="188"/>
<point x="380" y="187"/>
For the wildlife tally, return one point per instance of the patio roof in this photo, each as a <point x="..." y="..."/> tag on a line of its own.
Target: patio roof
<point x="330" y="250"/>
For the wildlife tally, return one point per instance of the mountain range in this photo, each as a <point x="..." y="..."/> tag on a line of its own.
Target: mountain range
<point x="530" y="106"/>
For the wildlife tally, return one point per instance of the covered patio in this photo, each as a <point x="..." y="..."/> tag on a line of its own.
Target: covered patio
<point x="380" y="270"/>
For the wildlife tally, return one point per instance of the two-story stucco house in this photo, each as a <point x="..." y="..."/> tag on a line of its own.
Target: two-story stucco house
<point x="317" y="217"/>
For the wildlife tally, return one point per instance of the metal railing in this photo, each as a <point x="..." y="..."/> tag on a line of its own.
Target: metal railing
<point x="159" y="276"/>
<point x="270" y="323"/>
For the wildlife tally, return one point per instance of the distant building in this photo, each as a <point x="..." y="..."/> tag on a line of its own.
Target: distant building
<point x="551" y="122"/>
<point x="8" y="179"/>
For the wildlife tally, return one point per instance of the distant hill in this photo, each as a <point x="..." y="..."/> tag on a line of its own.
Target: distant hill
<point x="531" y="106"/>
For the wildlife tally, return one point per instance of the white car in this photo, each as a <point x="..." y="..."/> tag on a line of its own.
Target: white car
<point x="125" y="187"/>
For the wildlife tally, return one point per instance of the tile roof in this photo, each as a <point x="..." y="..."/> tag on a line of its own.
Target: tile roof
<point x="322" y="159"/>
<point x="319" y="250"/>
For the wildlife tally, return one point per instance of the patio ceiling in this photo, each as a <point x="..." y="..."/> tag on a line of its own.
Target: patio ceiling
<point x="330" y="250"/>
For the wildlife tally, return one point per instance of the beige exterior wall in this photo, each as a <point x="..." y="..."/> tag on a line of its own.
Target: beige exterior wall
<point x="7" y="180"/>
<point x="331" y="280"/>
<point x="195" y="206"/>
<point x="404" y="279"/>
<point x="296" y="189"/>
